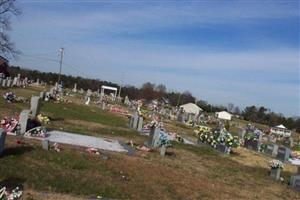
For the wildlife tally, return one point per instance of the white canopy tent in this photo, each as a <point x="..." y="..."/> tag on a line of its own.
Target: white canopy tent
<point x="104" y="87"/>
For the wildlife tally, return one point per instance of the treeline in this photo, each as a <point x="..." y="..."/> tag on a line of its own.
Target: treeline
<point x="150" y="91"/>
<point x="266" y="116"/>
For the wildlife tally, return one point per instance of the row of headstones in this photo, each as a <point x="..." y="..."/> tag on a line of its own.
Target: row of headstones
<point x="294" y="180"/>
<point x="15" y="82"/>
<point x="89" y="92"/>
<point x="136" y="122"/>
<point x="281" y="153"/>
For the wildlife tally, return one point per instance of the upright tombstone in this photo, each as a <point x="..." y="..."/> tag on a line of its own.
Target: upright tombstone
<point x="135" y="121"/>
<point x="130" y="125"/>
<point x="35" y="106"/>
<point x="23" y="120"/>
<point x="4" y="83"/>
<point x="42" y="95"/>
<point x="295" y="180"/>
<point x="15" y="81"/>
<point x="288" y="142"/>
<point x="75" y="88"/>
<point x="2" y="140"/>
<point x="8" y="82"/>
<point x="45" y="144"/>
<point x="223" y="148"/>
<point x="19" y="80"/>
<point x="283" y="153"/>
<point x="154" y="136"/>
<point x="275" y="173"/>
<point x="103" y="105"/>
<point x="252" y="144"/>
<point x="140" y="124"/>
<point x="37" y="81"/>
<point x="242" y="133"/>
<point x="272" y="149"/>
<point x="52" y="89"/>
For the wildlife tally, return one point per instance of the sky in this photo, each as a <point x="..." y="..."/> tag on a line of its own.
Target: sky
<point x="241" y="52"/>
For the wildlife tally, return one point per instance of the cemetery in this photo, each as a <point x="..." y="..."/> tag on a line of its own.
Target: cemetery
<point x="87" y="144"/>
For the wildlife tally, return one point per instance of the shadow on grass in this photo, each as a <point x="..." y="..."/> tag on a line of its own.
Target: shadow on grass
<point x="12" y="182"/>
<point x="13" y="151"/>
<point x="56" y="119"/>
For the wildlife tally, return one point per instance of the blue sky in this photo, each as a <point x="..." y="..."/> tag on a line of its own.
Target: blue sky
<point x="244" y="52"/>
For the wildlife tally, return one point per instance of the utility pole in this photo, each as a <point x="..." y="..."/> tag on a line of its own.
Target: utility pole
<point x="61" y="61"/>
<point x="120" y="88"/>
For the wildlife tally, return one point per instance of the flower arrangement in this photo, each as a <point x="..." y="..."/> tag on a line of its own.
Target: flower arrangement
<point x="252" y="133"/>
<point x="39" y="131"/>
<point x="219" y="136"/>
<point x="43" y="119"/>
<point x="179" y="138"/>
<point x="202" y="129"/>
<point x="232" y="141"/>
<point x="275" y="164"/>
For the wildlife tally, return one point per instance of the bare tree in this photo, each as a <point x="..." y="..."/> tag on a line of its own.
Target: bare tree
<point x="7" y="9"/>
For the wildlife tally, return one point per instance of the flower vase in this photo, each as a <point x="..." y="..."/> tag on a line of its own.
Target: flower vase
<point x="275" y="173"/>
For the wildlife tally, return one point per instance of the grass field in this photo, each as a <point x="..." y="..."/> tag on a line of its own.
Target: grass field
<point x="187" y="172"/>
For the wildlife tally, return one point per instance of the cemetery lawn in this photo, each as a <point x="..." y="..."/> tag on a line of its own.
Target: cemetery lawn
<point x="187" y="172"/>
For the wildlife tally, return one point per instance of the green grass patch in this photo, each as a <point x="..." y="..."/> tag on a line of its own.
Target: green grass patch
<point x="81" y="112"/>
<point x="64" y="172"/>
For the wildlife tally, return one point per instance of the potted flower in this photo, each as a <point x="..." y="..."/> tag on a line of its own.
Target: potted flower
<point x="276" y="167"/>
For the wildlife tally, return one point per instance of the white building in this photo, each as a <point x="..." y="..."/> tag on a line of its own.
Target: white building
<point x="281" y="131"/>
<point x="223" y="115"/>
<point x="191" y="108"/>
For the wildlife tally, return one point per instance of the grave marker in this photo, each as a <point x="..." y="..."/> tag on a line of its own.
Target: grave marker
<point x="4" y="83"/>
<point x="135" y="121"/>
<point x="272" y="149"/>
<point x="35" y="106"/>
<point x="154" y="136"/>
<point x="140" y="124"/>
<point x="42" y="95"/>
<point x="163" y="150"/>
<point x="275" y="173"/>
<point x="2" y="140"/>
<point x="252" y="144"/>
<point x="295" y="183"/>
<point x="23" y="120"/>
<point x="75" y="88"/>
<point x="15" y="81"/>
<point x="45" y="144"/>
<point x="283" y="153"/>
<point x="8" y="82"/>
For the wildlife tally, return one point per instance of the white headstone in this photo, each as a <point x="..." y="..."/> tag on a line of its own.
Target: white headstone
<point x="75" y="88"/>
<point x="4" y="82"/>
<point x="23" y="120"/>
<point x="154" y="136"/>
<point x="140" y="124"/>
<point x="35" y="106"/>
<point x="15" y="81"/>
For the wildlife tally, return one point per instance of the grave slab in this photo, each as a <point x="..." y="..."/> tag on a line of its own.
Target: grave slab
<point x="85" y="141"/>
